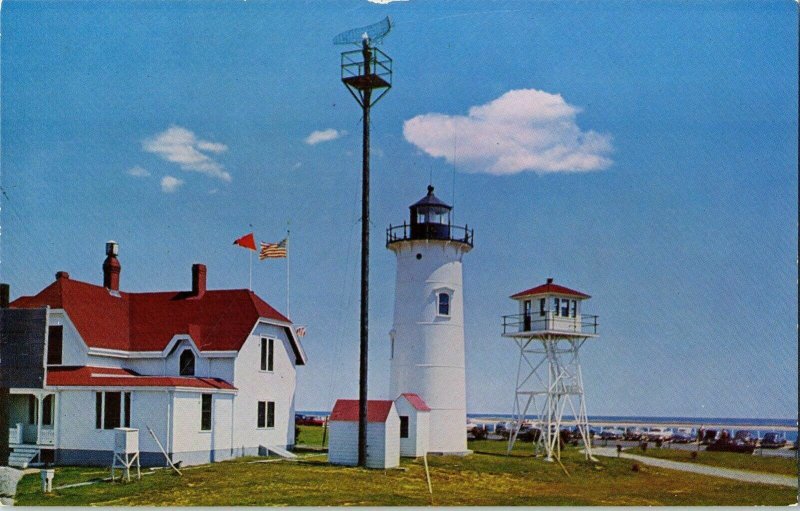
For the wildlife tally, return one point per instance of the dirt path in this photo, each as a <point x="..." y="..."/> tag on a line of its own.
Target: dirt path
<point x="728" y="473"/>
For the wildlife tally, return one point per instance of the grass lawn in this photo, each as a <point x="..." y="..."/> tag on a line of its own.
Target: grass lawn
<point x="311" y="436"/>
<point x="487" y="477"/>
<point x="740" y="461"/>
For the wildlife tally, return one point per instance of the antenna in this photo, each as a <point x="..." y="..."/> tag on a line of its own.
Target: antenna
<point x="374" y="33"/>
<point x="363" y="71"/>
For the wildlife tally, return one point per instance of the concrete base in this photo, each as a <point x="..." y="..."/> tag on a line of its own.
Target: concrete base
<point x="453" y="453"/>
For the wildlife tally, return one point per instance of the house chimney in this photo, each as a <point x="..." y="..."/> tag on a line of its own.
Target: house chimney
<point x="550" y="280"/>
<point x="198" y="280"/>
<point x="5" y="291"/>
<point x="111" y="267"/>
<point x="62" y="275"/>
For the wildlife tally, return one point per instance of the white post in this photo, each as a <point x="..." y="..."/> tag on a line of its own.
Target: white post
<point x="250" y="285"/>
<point x="287" y="270"/>
<point x="39" y="418"/>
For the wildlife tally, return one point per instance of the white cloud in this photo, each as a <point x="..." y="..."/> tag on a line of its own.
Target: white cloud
<point x="324" y="136"/>
<point x="170" y="184"/>
<point x="138" y="171"/>
<point x="181" y="146"/>
<point x="522" y="130"/>
<point x="297" y="166"/>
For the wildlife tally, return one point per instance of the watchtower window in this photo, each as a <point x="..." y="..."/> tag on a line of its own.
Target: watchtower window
<point x="542" y="305"/>
<point x="187" y="363"/>
<point x="574" y="308"/>
<point x="444" y="304"/>
<point x="565" y="308"/>
<point x="555" y="306"/>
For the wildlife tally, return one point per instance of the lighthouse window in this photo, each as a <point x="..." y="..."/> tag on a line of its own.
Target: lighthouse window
<point x="444" y="304"/>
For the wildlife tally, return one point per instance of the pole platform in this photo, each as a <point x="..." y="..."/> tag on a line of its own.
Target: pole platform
<point x="364" y="82"/>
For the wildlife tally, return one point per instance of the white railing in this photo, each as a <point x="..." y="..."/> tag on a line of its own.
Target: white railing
<point x="15" y="434"/>
<point x="47" y="436"/>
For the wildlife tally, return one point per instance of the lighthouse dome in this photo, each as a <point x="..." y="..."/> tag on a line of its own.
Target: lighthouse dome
<point x="430" y="219"/>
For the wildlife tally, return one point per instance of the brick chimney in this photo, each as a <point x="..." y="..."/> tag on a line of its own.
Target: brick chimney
<point x="198" y="280"/>
<point x="550" y="280"/>
<point x="62" y="275"/>
<point x="111" y="267"/>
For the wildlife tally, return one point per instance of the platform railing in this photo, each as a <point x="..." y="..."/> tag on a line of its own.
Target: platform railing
<point x="447" y="232"/>
<point x="520" y="323"/>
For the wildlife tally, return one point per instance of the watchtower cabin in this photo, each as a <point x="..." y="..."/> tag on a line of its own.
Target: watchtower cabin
<point x="550" y="310"/>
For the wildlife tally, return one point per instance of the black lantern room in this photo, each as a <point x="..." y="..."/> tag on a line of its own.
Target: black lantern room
<point x="429" y="220"/>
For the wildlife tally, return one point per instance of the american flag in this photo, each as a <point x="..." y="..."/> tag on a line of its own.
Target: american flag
<point x="300" y="331"/>
<point x="272" y="250"/>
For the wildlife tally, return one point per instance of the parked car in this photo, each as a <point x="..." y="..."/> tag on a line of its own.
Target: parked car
<point x="612" y="434"/>
<point x="729" y="445"/>
<point x="709" y="436"/>
<point x="633" y="433"/>
<point x="308" y="420"/>
<point x="656" y="434"/>
<point x="476" y="432"/>
<point x="746" y="437"/>
<point x="773" y="440"/>
<point x="683" y="436"/>
<point x="502" y="429"/>
<point x="528" y="433"/>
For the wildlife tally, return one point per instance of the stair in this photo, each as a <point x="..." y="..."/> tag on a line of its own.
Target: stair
<point x="22" y="456"/>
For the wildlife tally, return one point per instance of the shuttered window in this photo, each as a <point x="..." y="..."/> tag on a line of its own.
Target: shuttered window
<point x="205" y="413"/>
<point x="270" y="414"/>
<point x="262" y="414"/>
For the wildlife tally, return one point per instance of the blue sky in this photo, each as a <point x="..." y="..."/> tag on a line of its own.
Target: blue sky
<point x="645" y="153"/>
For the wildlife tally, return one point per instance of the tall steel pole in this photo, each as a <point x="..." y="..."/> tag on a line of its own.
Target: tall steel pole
<point x="364" y="346"/>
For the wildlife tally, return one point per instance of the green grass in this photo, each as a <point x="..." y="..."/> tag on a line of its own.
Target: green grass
<point x="487" y="477"/>
<point x="311" y="436"/>
<point x="739" y="461"/>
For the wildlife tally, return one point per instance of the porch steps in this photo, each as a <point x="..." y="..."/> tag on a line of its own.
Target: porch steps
<point x="283" y="453"/>
<point x="22" y="456"/>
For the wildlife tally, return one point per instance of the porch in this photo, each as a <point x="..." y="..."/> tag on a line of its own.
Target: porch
<point x="32" y="425"/>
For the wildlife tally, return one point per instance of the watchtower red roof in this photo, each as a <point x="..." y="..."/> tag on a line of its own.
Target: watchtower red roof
<point x="346" y="410"/>
<point x="550" y="288"/>
<point x="417" y="402"/>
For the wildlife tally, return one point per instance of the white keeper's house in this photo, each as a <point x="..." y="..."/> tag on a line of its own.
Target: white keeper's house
<point x="212" y="372"/>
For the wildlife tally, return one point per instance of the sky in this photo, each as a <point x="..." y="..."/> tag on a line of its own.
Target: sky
<point x="643" y="153"/>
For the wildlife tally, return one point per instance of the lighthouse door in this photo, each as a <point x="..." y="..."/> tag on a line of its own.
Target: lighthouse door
<point x="527" y="316"/>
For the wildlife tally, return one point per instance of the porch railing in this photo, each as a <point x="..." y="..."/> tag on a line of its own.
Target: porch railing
<point x="15" y="434"/>
<point x="47" y="436"/>
<point x="516" y="323"/>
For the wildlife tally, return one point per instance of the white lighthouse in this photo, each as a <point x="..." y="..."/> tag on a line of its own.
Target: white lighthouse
<point x="427" y="338"/>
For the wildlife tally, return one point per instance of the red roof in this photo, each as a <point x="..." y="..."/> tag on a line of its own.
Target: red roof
<point x="88" y="376"/>
<point x="218" y="320"/>
<point x="550" y="288"/>
<point x="416" y="401"/>
<point x="347" y="410"/>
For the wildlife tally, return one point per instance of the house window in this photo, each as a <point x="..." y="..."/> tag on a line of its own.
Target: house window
<point x="574" y="308"/>
<point x="555" y="306"/>
<point x="55" y="335"/>
<point x="47" y="411"/>
<point x="542" y="304"/>
<point x="267" y="354"/>
<point x="270" y="414"/>
<point x="112" y="410"/>
<point x="565" y="308"/>
<point x="187" y="363"/>
<point x="444" y="304"/>
<point x="33" y="408"/>
<point x="205" y="413"/>
<point x="126" y="418"/>
<point x="262" y="414"/>
<point x="403" y="426"/>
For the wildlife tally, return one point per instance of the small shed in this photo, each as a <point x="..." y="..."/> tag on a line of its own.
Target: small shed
<point x="383" y="434"/>
<point x="414" y="425"/>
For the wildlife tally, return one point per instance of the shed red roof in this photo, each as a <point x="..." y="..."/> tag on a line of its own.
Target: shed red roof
<point x="347" y="410"/>
<point x="416" y="401"/>
<point x="550" y="288"/>
<point x="89" y="376"/>
<point x="218" y="320"/>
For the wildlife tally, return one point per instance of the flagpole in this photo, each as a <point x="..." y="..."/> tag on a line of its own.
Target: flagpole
<point x="287" y="268"/>
<point x="251" y="269"/>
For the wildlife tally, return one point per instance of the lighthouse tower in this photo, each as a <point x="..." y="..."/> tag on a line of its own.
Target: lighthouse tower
<point x="427" y="338"/>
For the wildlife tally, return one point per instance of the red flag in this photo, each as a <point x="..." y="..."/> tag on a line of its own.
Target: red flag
<point x="246" y="241"/>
